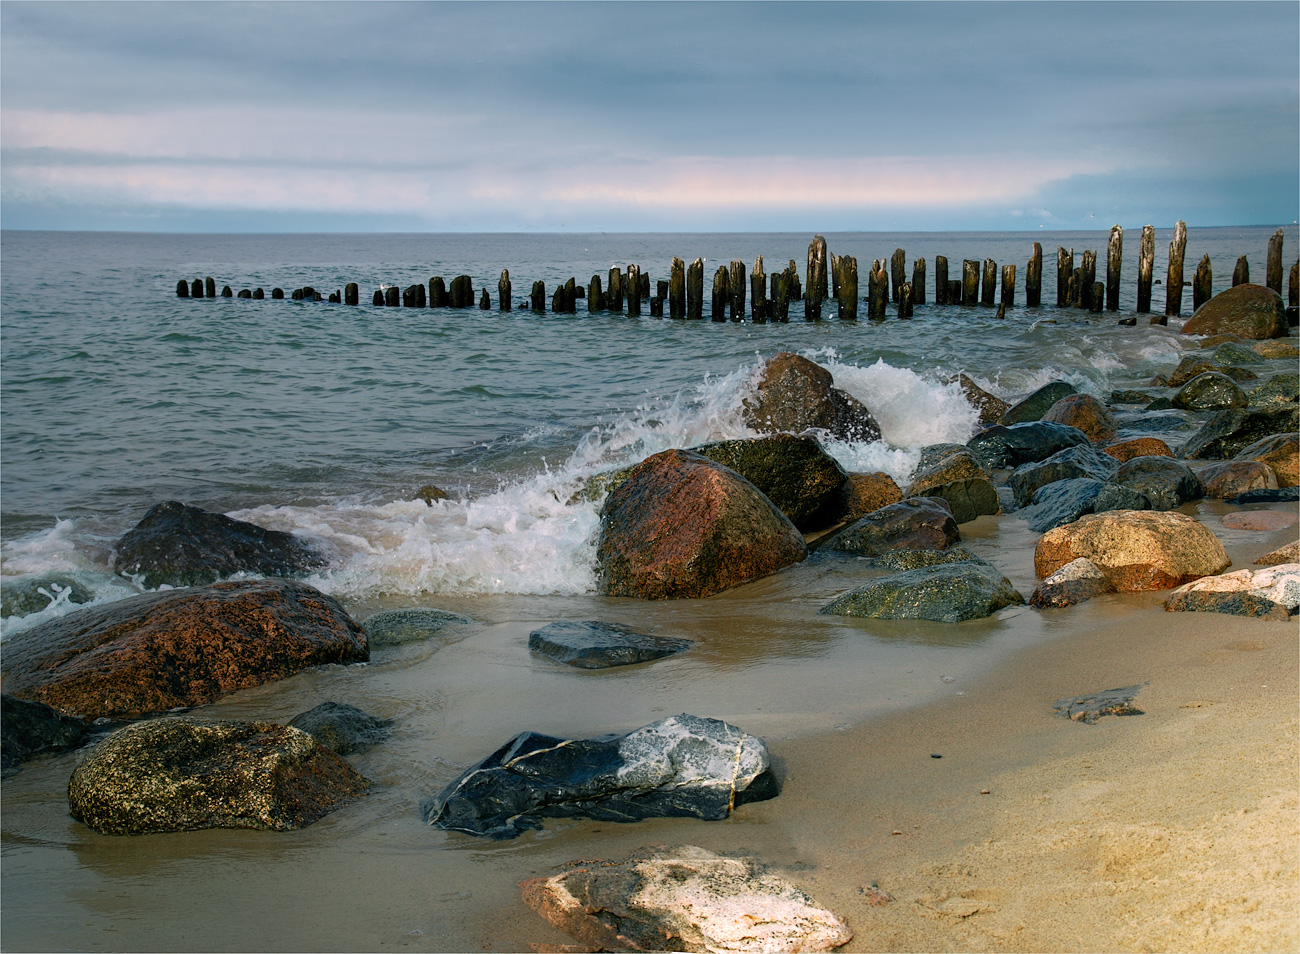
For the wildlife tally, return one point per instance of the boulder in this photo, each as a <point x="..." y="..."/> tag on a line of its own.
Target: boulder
<point x="1081" y="460"/>
<point x="1129" y="396"/>
<point x="1276" y="349"/>
<point x="1286" y="554"/>
<point x="682" y="899"/>
<point x="1037" y="404"/>
<point x="597" y="486"/>
<point x="915" y="559"/>
<point x="1138" y="447"/>
<point x="682" y="527"/>
<point x="179" y="545"/>
<point x="1136" y="549"/>
<point x="1233" y="352"/>
<point x="991" y="408"/>
<point x="795" y="395"/>
<point x="1209" y="391"/>
<point x="1281" y="495"/>
<point x="1279" y="389"/>
<point x="1245" y="310"/>
<point x="951" y="472"/>
<point x="593" y="644"/>
<point x="680" y="767"/>
<point x="185" y="774"/>
<point x="800" y="478"/>
<point x="28" y="729"/>
<point x="396" y="627"/>
<point x="1166" y="482"/>
<point x="1225" y="434"/>
<point x="159" y="651"/>
<point x="917" y="523"/>
<point x="1065" y="501"/>
<point x="1094" y="705"/>
<point x="864" y="493"/>
<point x="1281" y="452"/>
<point x="1001" y="446"/>
<point x="950" y="593"/>
<point x="1272" y="593"/>
<point x="1076" y="582"/>
<point x="1084" y="412"/>
<point x="343" y="728"/>
<point x="1193" y="365"/>
<point x="1233" y="477"/>
<point x="31" y="594"/>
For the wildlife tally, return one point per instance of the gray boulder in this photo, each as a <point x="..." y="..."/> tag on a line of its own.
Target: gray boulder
<point x="28" y="729"/>
<point x="1033" y="407"/>
<point x="917" y="523"/>
<point x="1065" y="501"/>
<point x="1082" y="460"/>
<point x="951" y="472"/>
<point x="1210" y="391"/>
<point x="1166" y="482"/>
<point x="800" y="478"/>
<point x="343" y="728"/>
<point x="1076" y="582"/>
<point x="592" y="644"/>
<point x="1227" y="432"/>
<point x="1000" y="446"/>
<point x="396" y="627"/>
<point x="945" y="594"/>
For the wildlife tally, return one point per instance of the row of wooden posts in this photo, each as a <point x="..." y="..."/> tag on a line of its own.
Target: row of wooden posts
<point x="771" y="295"/>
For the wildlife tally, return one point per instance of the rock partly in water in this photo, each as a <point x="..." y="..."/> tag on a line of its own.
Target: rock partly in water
<point x="794" y="395"/>
<point x="1210" y="391"/>
<point x="160" y="651"/>
<point x="1276" y="349"/>
<point x="1281" y="452"/>
<point x="1245" y="310"/>
<point x="1232" y="477"/>
<point x="1138" y="447"/>
<point x="184" y="774"/>
<point x="1233" y="352"/>
<point x="917" y="523"/>
<point x="1272" y="593"/>
<point x="683" y="899"/>
<point x="1193" y="365"/>
<point x="1084" y="412"/>
<point x="1279" y="389"/>
<point x="343" y="728"/>
<point x="1037" y="404"/>
<point x="592" y="644"/>
<point x="951" y="593"/>
<point x="1065" y="501"/>
<point x="1082" y="460"/>
<point x="1166" y="482"/>
<point x="951" y="472"/>
<point x="430" y="493"/>
<point x="28" y="729"/>
<point x="1000" y="446"/>
<point x="864" y="493"/>
<point x="1136" y="549"/>
<point x="1285" y="554"/>
<point x="396" y="627"/>
<point x="916" y="559"/>
<point x="990" y="407"/>
<point x="178" y="545"/>
<point x="682" y="527"/>
<point x="680" y="767"/>
<point x="1090" y="708"/>
<point x="27" y="595"/>
<point x="800" y="478"/>
<point x="1229" y="432"/>
<point x="1281" y="495"/>
<point x="1076" y="582"/>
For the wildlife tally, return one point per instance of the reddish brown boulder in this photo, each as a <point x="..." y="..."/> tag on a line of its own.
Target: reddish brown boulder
<point x="991" y="407"/>
<point x="1135" y="549"/>
<point x="682" y="526"/>
<point x="1086" y="413"/>
<point x="1281" y="452"/>
<point x="158" y="651"/>
<point x="1249" y="311"/>
<point x="1233" y="477"/>
<point x="795" y="395"/>
<point x="1139" y="447"/>
<point x="864" y="493"/>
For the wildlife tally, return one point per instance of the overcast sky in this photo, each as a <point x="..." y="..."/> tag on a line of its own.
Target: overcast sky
<point x="647" y="116"/>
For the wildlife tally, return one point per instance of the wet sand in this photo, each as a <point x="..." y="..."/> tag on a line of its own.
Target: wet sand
<point x="1173" y="830"/>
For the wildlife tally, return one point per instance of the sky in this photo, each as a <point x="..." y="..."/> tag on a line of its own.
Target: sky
<point x="660" y="116"/>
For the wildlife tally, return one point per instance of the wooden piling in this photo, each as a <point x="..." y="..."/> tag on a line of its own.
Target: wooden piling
<point x="989" y="284"/>
<point x="905" y="300"/>
<point x="848" y="296"/>
<point x="1114" y="262"/>
<point x="970" y="282"/>
<point x="954" y="291"/>
<point x="1146" y="264"/>
<point x="614" y="296"/>
<point x="504" y="302"/>
<point x="1097" y="300"/>
<point x="1202" y="284"/>
<point x="1072" y="291"/>
<point x="1174" y="277"/>
<point x="793" y="288"/>
<point x="897" y="261"/>
<point x="437" y="292"/>
<point x="736" y="283"/>
<point x="835" y="275"/>
<point x="1087" y="278"/>
<point x="557" y="301"/>
<point x="661" y="289"/>
<point x="634" y="290"/>
<point x="817" y="270"/>
<point x="1273" y="271"/>
<point x="259" y="295"/>
<point x="657" y="304"/>
<point x="721" y="293"/>
<point x="1008" y="286"/>
<point x="759" y="307"/>
<point x="462" y="292"/>
<point x="780" y="298"/>
<point x="677" y="290"/>
<point x="248" y="293"/>
<point x="1034" y="277"/>
<point x="182" y="289"/>
<point x="877" y="292"/>
<point x="408" y="295"/>
<point x="695" y="290"/>
<point x="1241" y="274"/>
<point x="1064" y="269"/>
<point x="595" y="296"/>
<point x="420" y="301"/>
<point x="1293" y="286"/>
<point x="351" y="294"/>
<point x="277" y="293"/>
<point x="918" y="282"/>
<point x="484" y="301"/>
<point x="210" y="287"/>
<point x="377" y="301"/>
<point x="571" y="296"/>
<point x="1002" y="311"/>
<point x="196" y="288"/>
<point x="940" y="280"/>
<point x="392" y="296"/>
<point x="537" y="297"/>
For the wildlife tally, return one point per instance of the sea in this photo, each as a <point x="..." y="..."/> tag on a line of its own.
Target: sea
<point x="326" y="420"/>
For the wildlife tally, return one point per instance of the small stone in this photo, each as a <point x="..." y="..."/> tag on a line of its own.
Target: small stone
<point x="1090" y="708"/>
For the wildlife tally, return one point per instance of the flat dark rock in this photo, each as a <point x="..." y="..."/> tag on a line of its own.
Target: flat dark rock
<point x="1090" y="708"/>
<point x="1065" y="501"/>
<point x="1010" y="446"/>
<point x="29" y="729"/>
<point x="343" y="728"/>
<point x="396" y="627"/>
<point x="1281" y="495"/>
<point x="592" y="644"/>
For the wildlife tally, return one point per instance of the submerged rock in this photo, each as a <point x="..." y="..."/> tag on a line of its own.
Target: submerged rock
<point x="681" y="767"/>
<point x="1279" y="389"/>
<point x="1090" y="708"/>
<point x="29" y="729"/>
<point x="184" y="774"/>
<point x="179" y="545"/>
<point x="596" y="645"/>
<point x="160" y="651"/>
<point x="28" y="595"/>
<point x="800" y="478"/>
<point x="949" y="593"/>
<point x="683" y="899"/>
<point x="916" y="559"/>
<point x="917" y="523"/>
<point x="343" y="728"/>
<point x="681" y="526"/>
<point x="396" y="627"/>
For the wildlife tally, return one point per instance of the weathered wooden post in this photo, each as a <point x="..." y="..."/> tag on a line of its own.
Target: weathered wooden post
<point x="758" y="305"/>
<point x="557" y="301"/>
<point x="793" y="289"/>
<point x="571" y="296"/>
<point x="905" y="300"/>
<point x="420" y="301"/>
<point x="780" y="298"/>
<point x="392" y="296"/>
<point x="351" y="294"/>
<point x="970" y="282"/>
<point x="182" y="289"/>
<point x="210" y="287"/>
<point x="1114" y="262"/>
<point x="657" y="305"/>
<point x="990" y="282"/>
<point x="1241" y="274"/>
<point x="896" y="263"/>
<point x="537" y="297"/>
<point x="1002" y="311"/>
<point x="848" y="297"/>
<point x="1097" y="300"/>
<point x="1293" y="286"/>
<point x="296" y="295"/>
<point x="437" y="292"/>
<point x="721" y="293"/>
<point x="736" y="283"/>
<point x="940" y="280"/>
<point x="277" y="293"/>
<point x="1072" y="290"/>
<point x="1202" y="284"/>
<point x="248" y="293"/>
<point x="196" y="288"/>
<point x="817" y="270"/>
<point x="503" y="291"/>
<point x="918" y="282"/>
<point x="1174" y="277"/>
<point x="259" y="295"/>
<point x="614" y="297"/>
<point x="462" y="291"/>
<point x="408" y="296"/>
<point x="1064" y="269"/>
<point x="1146" y="264"/>
<point x="1087" y="278"/>
<point x="695" y="290"/>
<point x="595" y="296"/>
<point x="835" y="275"/>
<point x="677" y="290"/>
<point x="1273" y="273"/>
<point x="1034" y="277"/>
<point x="377" y="301"/>
<point x="634" y="290"/>
<point x="954" y="291"/>
<point x="661" y="289"/>
<point x="1008" y="286"/>
<point x="484" y="301"/>
<point x="877" y="292"/>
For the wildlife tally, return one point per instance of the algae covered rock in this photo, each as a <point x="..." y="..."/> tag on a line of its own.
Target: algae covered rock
<point x="1246" y="310"/>
<point x="951" y="472"/>
<point x="917" y="523"/>
<point x="1033" y="407"/>
<point x="800" y="478"/>
<point x="343" y="728"/>
<point x="396" y="627"/>
<point x="1084" y="412"/>
<point x="948" y="593"/>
